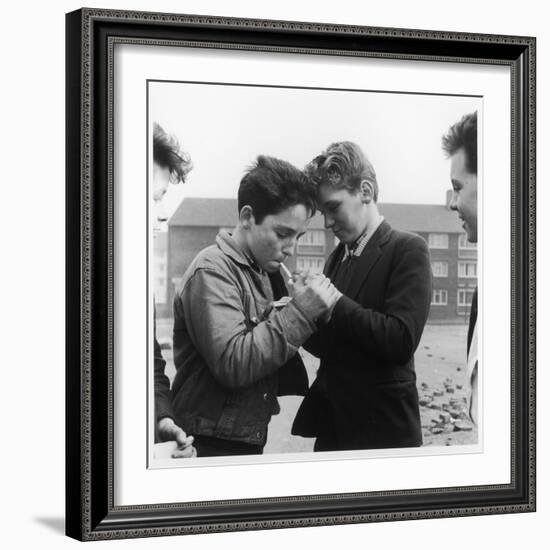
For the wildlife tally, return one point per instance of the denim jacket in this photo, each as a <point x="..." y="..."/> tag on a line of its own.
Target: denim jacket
<point x="229" y="343"/>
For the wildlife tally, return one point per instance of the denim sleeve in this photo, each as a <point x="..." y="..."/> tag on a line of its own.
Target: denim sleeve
<point x="238" y="352"/>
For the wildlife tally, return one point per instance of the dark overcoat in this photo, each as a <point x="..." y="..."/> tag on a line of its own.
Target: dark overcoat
<point x="365" y="395"/>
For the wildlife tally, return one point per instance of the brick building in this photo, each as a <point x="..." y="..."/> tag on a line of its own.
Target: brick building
<point x="160" y="267"/>
<point x="453" y="258"/>
<point x="196" y="223"/>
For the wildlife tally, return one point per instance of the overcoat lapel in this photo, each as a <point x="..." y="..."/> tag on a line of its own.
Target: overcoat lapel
<point x="473" y="320"/>
<point x="333" y="261"/>
<point x="368" y="259"/>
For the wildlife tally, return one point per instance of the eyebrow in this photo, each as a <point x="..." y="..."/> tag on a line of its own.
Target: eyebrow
<point x="282" y="227"/>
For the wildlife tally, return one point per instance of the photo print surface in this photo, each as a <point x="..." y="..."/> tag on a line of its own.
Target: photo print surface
<point x="242" y="367"/>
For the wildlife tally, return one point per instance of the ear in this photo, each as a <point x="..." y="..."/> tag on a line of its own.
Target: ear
<point x="246" y="217"/>
<point x="366" y="191"/>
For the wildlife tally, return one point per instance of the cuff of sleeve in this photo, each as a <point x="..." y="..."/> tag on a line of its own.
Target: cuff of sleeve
<point x="328" y="316"/>
<point x="341" y="308"/>
<point x="298" y="327"/>
<point x="165" y="412"/>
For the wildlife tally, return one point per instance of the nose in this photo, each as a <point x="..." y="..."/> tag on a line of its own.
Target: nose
<point x="289" y="247"/>
<point x="452" y="203"/>
<point x="160" y="211"/>
<point x="289" y="250"/>
<point x="329" y="222"/>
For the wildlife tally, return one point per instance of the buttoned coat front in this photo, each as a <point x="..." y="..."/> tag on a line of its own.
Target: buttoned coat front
<point x="365" y="392"/>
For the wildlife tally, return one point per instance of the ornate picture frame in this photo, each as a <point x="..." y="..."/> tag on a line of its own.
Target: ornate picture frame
<point x="91" y="508"/>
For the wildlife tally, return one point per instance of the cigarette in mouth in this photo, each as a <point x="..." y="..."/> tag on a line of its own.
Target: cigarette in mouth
<point x="287" y="273"/>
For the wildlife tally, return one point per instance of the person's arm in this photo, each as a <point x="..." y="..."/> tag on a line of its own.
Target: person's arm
<point x="395" y="334"/>
<point x="237" y="351"/>
<point x="163" y="397"/>
<point x="313" y="344"/>
<point x="166" y="428"/>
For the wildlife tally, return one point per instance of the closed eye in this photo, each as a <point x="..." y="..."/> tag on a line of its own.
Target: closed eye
<point x="284" y="234"/>
<point x="330" y="207"/>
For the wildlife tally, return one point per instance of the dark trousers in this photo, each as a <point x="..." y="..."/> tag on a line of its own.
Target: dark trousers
<point x="328" y="440"/>
<point x="213" y="446"/>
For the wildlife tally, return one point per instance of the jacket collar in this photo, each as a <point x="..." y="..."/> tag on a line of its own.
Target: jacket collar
<point x="363" y="263"/>
<point x="230" y="248"/>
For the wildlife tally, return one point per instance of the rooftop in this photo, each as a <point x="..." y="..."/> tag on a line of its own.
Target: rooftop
<point x="420" y="218"/>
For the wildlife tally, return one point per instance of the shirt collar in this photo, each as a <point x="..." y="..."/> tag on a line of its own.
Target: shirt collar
<point x="357" y="247"/>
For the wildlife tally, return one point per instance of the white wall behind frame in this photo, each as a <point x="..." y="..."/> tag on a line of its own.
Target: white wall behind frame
<point x="31" y="394"/>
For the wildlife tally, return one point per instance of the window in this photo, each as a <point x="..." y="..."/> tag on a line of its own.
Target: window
<point x="160" y="282"/>
<point x="313" y="237"/>
<point x="467" y="269"/>
<point x="313" y="242"/>
<point x="440" y="269"/>
<point x="438" y="240"/>
<point x="159" y="290"/>
<point x="463" y="242"/>
<point x="465" y="297"/>
<point x="439" y="297"/>
<point x="315" y="265"/>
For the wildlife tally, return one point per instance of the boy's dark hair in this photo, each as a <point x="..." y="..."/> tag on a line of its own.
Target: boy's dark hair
<point x="271" y="185"/>
<point x="167" y="153"/>
<point x="463" y="135"/>
<point x="343" y="166"/>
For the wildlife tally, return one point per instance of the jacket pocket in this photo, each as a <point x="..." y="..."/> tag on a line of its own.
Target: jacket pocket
<point x="255" y="310"/>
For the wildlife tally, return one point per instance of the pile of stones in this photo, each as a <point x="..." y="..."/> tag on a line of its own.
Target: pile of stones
<point x="448" y="410"/>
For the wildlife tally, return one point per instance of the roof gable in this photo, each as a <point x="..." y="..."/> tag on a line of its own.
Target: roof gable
<point x="420" y="218"/>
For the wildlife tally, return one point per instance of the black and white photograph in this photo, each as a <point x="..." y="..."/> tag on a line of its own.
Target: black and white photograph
<point x="314" y="273"/>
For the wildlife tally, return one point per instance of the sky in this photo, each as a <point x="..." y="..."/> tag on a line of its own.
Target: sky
<point x="225" y="127"/>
